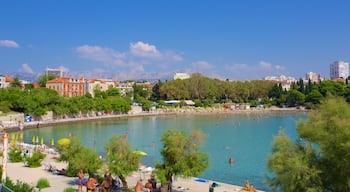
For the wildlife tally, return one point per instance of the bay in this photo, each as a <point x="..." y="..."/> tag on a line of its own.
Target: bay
<point x="245" y="137"/>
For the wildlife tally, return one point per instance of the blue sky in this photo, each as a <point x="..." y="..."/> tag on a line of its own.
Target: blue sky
<point x="234" y="39"/>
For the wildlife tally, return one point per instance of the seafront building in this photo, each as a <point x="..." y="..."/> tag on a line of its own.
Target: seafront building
<point x="339" y="69"/>
<point x="67" y="86"/>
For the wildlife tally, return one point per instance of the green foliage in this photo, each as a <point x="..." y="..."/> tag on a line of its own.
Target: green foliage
<point x="293" y="173"/>
<point x="86" y="159"/>
<point x="69" y="189"/>
<point x="15" y="155"/>
<point x="319" y="160"/>
<point x="42" y="183"/>
<point x="36" y="159"/>
<point x="79" y="157"/>
<point x="181" y="155"/>
<point x="18" y="186"/>
<point x="121" y="160"/>
<point x="44" y="78"/>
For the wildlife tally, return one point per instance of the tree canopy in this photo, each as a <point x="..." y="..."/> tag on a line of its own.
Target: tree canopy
<point x="181" y="155"/>
<point x="319" y="159"/>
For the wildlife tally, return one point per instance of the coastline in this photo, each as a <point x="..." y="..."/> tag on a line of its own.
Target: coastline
<point x="162" y="112"/>
<point x="181" y="184"/>
<point x="18" y="171"/>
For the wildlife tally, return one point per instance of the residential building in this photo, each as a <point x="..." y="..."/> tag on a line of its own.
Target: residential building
<point x="315" y="78"/>
<point x="54" y="72"/>
<point x="5" y="81"/>
<point x="285" y="81"/>
<point x="339" y="69"/>
<point x="94" y="84"/>
<point x="2" y="81"/>
<point x="181" y="76"/>
<point x="67" y="86"/>
<point x="124" y="87"/>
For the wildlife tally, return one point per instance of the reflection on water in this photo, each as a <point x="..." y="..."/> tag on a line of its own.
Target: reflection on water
<point x="246" y="138"/>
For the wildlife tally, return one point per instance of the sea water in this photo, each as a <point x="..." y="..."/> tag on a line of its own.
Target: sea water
<point x="247" y="138"/>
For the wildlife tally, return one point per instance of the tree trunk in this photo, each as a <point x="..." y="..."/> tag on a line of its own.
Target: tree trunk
<point x="124" y="182"/>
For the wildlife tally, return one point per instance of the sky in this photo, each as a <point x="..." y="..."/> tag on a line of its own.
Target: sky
<point x="130" y="39"/>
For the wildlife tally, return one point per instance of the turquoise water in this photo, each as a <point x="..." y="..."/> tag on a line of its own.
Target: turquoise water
<point x="246" y="138"/>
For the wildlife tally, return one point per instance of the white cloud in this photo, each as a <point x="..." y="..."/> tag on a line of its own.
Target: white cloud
<point x="245" y="71"/>
<point x="140" y="54"/>
<point x="202" y="66"/>
<point x="141" y="49"/>
<point x="9" y="43"/>
<point x="265" y="65"/>
<point x="26" y="69"/>
<point x="101" y="54"/>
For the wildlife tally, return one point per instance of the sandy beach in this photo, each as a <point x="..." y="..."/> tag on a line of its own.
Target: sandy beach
<point x="18" y="171"/>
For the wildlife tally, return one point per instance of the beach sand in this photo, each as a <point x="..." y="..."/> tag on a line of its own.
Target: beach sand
<point x="18" y="171"/>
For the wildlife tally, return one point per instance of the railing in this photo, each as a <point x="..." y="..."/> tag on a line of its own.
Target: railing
<point x="3" y="188"/>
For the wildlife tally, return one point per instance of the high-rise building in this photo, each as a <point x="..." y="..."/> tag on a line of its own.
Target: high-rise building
<point x="313" y="77"/>
<point x="54" y="72"/>
<point x="339" y="69"/>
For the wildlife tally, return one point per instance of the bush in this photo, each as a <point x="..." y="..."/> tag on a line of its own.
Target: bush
<point x="15" y="155"/>
<point x="69" y="189"/>
<point x="36" y="159"/>
<point x="42" y="183"/>
<point x="19" y="186"/>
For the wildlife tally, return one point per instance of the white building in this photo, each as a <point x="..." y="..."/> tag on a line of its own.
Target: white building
<point x="2" y="81"/>
<point x="181" y="76"/>
<point x="314" y="77"/>
<point x="339" y="69"/>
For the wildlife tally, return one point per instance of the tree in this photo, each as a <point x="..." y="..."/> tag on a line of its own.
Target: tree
<point x="181" y="155"/>
<point x="78" y="157"/>
<point x="16" y="83"/>
<point x="319" y="160"/>
<point x="42" y="79"/>
<point x="121" y="160"/>
<point x="295" y="98"/>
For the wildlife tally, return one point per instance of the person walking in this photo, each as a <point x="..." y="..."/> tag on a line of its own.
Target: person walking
<point x="81" y="179"/>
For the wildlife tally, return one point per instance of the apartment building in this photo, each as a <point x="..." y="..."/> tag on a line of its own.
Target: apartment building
<point x="67" y="86"/>
<point x="339" y="69"/>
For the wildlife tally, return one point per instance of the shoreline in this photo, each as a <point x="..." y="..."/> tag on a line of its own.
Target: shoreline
<point x="180" y="185"/>
<point x="163" y="112"/>
<point x="18" y="171"/>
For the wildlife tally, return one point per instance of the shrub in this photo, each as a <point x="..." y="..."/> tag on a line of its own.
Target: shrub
<point x="35" y="159"/>
<point x="15" y="155"/>
<point x="42" y="183"/>
<point x="69" y="189"/>
<point x="19" y="186"/>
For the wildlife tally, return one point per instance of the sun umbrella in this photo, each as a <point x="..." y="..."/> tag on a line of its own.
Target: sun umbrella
<point x="33" y="139"/>
<point x="21" y="136"/>
<point x="52" y="142"/>
<point x="42" y="141"/>
<point x="63" y="141"/>
<point x="141" y="153"/>
<point x="37" y="140"/>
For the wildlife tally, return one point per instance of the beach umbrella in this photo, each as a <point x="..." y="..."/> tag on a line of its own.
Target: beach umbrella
<point x="63" y="141"/>
<point x="52" y="142"/>
<point x="33" y="139"/>
<point x="37" y="140"/>
<point x="141" y="153"/>
<point x="21" y="136"/>
<point x="42" y="141"/>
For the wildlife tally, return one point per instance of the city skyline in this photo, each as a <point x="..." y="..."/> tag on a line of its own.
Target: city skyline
<point x="238" y="40"/>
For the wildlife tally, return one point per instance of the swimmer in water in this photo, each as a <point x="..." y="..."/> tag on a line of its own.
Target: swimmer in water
<point x="231" y="161"/>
